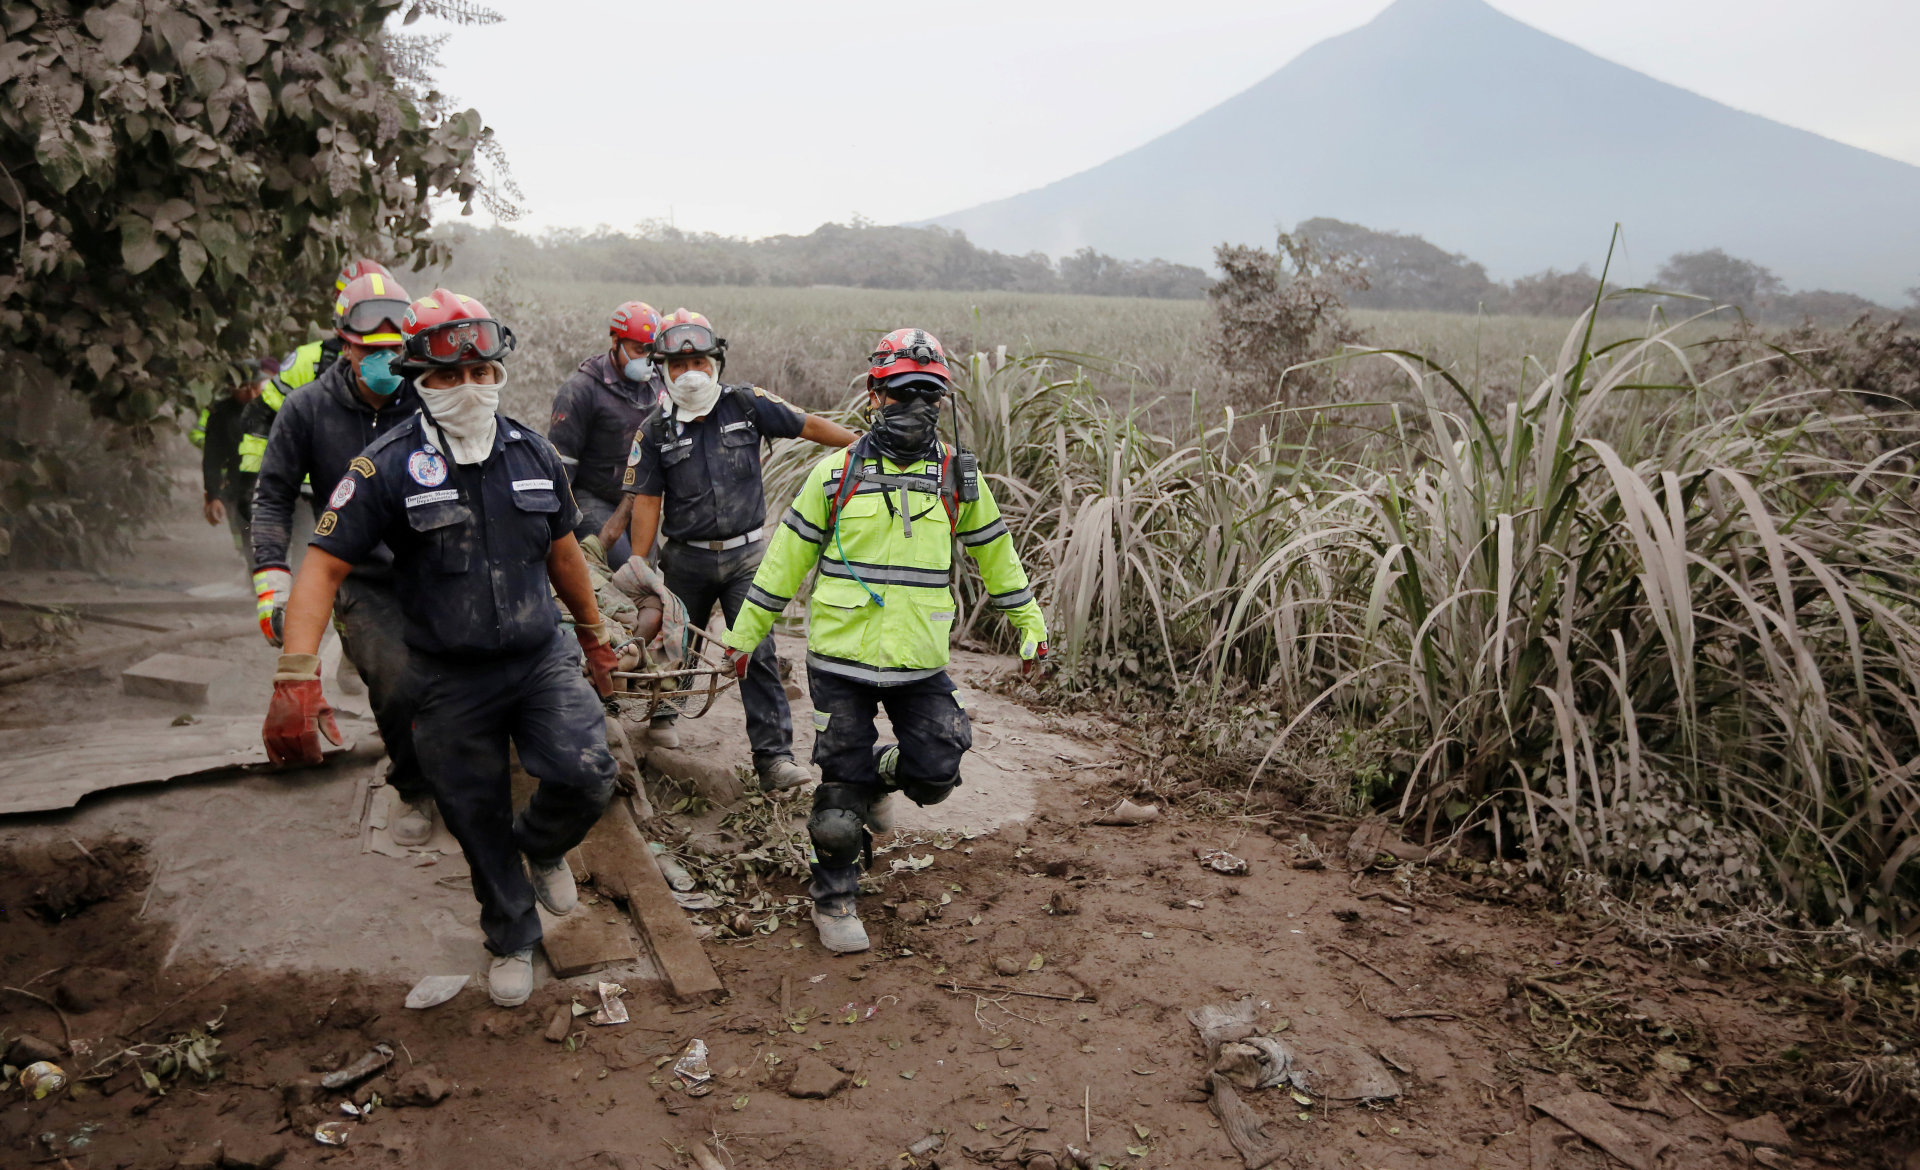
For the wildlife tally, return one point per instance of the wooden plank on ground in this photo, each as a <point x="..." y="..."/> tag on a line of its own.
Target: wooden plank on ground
<point x="588" y="939"/>
<point x="624" y="867"/>
<point x="47" y="768"/>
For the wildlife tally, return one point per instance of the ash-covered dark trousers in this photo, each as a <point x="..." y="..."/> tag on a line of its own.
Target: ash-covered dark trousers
<point x="931" y="724"/>
<point x="700" y="578"/>
<point x="367" y="614"/>
<point x="468" y="711"/>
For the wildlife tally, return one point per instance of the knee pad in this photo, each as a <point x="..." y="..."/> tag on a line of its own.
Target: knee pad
<point x="839" y="836"/>
<point x="926" y="792"/>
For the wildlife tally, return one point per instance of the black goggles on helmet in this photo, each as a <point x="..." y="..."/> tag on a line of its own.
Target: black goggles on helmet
<point x="688" y="339"/>
<point x="455" y="342"/>
<point x="919" y="351"/>
<point x="369" y="315"/>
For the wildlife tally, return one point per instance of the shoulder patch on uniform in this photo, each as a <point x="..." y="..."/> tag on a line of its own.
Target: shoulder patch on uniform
<point x="633" y="454"/>
<point x="328" y="519"/>
<point x="770" y="396"/>
<point x="363" y="465"/>
<point x="342" y="492"/>
<point x="628" y="479"/>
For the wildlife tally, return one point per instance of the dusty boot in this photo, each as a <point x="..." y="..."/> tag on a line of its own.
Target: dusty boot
<point x="840" y="932"/>
<point x="410" y="822"/>
<point x="781" y="773"/>
<point x="510" y="978"/>
<point x="553" y="885"/>
<point x="661" y="733"/>
<point x="879" y="816"/>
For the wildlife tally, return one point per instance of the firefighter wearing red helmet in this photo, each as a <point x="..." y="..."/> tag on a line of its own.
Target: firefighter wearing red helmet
<point x="477" y="518"/>
<point x="694" y="474"/>
<point x="595" y="414"/>
<point x="880" y="522"/>
<point x="318" y="431"/>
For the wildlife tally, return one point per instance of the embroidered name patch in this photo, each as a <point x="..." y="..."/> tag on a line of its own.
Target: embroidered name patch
<point x="742" y="425"/>
<point x="675" y="446"/>
<point x="439" y="497"/>
<point x="427" y="468"/>
<point x="363" y="465"/>
<point x="341" y="494"/>
<point x="532" y="485"/>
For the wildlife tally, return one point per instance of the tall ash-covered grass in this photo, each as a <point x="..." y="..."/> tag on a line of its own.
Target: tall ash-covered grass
<point x="1621" y="621"/>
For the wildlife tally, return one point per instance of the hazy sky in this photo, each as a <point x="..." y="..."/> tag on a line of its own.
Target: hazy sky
<point x="755" y="117"/>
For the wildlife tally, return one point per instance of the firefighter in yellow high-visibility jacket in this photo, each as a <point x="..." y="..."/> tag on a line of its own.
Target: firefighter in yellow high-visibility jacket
<point x="880" y="521"/>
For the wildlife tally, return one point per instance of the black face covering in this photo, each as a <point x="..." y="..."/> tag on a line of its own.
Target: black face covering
<point x="906" y="431"/>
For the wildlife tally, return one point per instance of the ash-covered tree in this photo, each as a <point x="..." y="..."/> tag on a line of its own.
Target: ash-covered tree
<point x="1404" y="271"/>
<point x="1722" y="279"/>
<point x="182" y="178"/>
<point x="1281" y="308"/>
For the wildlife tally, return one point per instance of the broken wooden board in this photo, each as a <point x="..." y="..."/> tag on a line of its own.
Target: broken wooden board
<point x="47" y="768"/>
<point x="587" y="939"/>
<point x="624" y="867"/>
<point x="174" y="678"/>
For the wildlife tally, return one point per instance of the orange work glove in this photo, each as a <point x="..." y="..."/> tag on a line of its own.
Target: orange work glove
<point x="738" y="662"/>
<point x="298" y="715"/>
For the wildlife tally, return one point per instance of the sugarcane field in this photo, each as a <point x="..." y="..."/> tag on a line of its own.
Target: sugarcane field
<point x="1313" y="585"/>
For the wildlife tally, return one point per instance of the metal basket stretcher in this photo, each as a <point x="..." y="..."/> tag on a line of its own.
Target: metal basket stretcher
<point x="687" y="691"/>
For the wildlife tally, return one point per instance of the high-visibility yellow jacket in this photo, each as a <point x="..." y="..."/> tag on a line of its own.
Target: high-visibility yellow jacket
<point x="303" y="365"/>
<point x="882" y="611"/>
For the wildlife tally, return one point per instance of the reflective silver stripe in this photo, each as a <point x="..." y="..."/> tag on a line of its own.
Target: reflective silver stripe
<point x="1012" y="600"/>
<point x="979" y="536"/>
<point x="885" y="574"/>
<point x="765" y="600"/>
<point x="874" y="675"/>
<point x="803" y="528"/>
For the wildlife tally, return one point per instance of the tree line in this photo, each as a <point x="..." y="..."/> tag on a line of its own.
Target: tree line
<point x="856" y="255"/>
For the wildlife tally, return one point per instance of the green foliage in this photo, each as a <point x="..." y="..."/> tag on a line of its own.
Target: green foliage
<point x="183" y="178"/>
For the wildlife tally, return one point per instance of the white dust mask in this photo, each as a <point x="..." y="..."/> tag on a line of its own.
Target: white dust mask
<point x="694" y="393"/>
<point x="465" y="414"/>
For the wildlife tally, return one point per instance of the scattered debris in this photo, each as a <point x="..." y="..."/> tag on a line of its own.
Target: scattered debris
<point x="1219" y="1023"/>
<point x="1062" y="903"/>
<point x="815" y="1080"/>
<point x="43" y="1078"/>
<point x="359" y="1070"/>
<point x="1346" y="1072"/>
<point x="1373" y="837"/>
<point x="1127" y="813"/>
<point x="988" y="988"/>
<point x="1007" y="965"/>
<point x="1259" y="1062"/>
<point x="612" y="1009"/>
<point x="1764" y="1130"/>
<point x="692" y="1069"/>
<point x="561" y="1025"/>
<point x="332" y="1133"/>
<point x="435" y="990"/>
<point x="1594" y="1118"/>
<point x="678" y="879"/>
<point x="1243" y="1127"/>
<point x="422" y="1086"/>
<point x="926" y="1145"/>
<point x="1220" y="861"/>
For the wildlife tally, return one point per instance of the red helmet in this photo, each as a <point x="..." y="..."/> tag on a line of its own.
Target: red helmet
<point x="687" y="334"/>
<point x="368" y="310"/>
<point x="909" y="357"/>
<point x="447" y="329"/>
<point x="635" y="321"/>
<point x="356" y="269"/>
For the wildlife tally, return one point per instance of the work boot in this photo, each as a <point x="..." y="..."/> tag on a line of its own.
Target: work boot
<point x="840" y="931"/>
<point x="553" y="885"/>
<point x="662" y="733"/>
<point x="879" y="815"/>
<point x="510" y="978"/>
<point x="410" y="822"/>
<point x="781" y="773"/>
